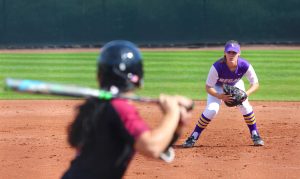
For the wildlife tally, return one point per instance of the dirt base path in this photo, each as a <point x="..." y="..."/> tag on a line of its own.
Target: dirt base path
<point x="33" y="143"/>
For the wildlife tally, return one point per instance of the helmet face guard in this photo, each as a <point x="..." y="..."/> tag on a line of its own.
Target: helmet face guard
<point x="120" y="66"/>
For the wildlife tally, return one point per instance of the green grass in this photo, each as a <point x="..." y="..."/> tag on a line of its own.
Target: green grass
<point x="179" y="72"/>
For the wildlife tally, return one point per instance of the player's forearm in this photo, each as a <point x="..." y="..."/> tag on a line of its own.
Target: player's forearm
<point x="212" y="91"/>
<point x="162" y="134"/>
<point x="154" y="142"/>
<point x="252" y="89"/>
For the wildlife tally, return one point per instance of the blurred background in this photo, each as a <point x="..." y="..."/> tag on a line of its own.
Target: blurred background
<point x="189" y="23"/>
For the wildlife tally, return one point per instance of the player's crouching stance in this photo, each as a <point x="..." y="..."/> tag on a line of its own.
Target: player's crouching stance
<point x="228" y="70"/>
<point x="106" y="133"/>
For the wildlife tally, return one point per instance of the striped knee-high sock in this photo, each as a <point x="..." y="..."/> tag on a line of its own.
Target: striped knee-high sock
<point x="200" y="126"/>
<point x="251" y="122"/>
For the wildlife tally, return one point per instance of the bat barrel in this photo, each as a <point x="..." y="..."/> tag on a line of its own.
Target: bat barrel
<point x="34" y="86"/>
<point x="40" y="87"/>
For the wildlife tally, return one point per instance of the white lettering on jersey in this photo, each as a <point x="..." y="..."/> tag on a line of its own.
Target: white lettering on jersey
<point x="222" y="80"/>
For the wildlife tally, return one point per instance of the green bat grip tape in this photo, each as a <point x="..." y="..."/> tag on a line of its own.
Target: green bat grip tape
<point x="105" y="95"/>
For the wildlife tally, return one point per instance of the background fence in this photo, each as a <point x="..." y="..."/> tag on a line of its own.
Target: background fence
<point x="179" y="22"/>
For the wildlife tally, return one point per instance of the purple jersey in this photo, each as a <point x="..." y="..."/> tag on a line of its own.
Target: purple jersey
<point x="227" y="76"/>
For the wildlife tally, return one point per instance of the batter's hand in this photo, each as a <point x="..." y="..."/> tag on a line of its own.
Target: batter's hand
<point x="168" y="103"/>
<point x="186" y="106"/>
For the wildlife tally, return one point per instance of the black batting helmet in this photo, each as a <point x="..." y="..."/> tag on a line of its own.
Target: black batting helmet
<point x="120" y="66"/>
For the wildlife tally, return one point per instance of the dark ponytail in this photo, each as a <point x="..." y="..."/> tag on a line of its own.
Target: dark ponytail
<point x="82" y="129"/>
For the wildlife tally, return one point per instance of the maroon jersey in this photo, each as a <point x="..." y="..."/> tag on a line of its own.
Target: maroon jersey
<point x="113" y="127"/>
<point x="132" y="121"/>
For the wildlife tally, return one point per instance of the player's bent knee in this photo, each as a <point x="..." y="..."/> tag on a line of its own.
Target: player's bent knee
<point x="245" y="109"/>
<point x="211" y="110"/>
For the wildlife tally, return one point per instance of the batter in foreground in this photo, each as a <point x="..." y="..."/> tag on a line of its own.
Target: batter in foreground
<point x="107" y="133"/>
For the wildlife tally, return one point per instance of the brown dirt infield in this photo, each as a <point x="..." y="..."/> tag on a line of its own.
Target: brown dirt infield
<point x="33" y="143"/>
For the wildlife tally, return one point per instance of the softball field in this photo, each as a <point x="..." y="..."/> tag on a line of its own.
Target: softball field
<point x="33" y="143"/>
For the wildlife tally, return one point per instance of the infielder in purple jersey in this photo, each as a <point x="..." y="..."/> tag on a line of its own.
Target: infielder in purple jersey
<point x="230" y="69"/>
<point x="107" y="133"/>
